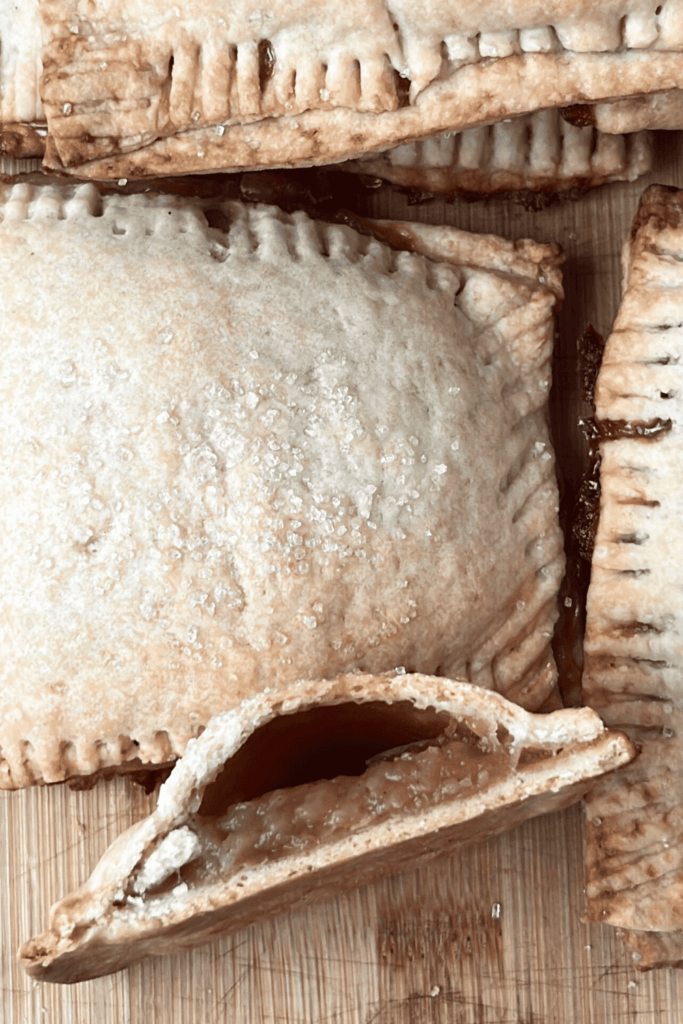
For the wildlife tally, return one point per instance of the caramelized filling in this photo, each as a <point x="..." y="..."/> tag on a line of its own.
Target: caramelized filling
<point x="647" y="430"/>
<point x="581" y="115"/>
<point x="266" y="62"/>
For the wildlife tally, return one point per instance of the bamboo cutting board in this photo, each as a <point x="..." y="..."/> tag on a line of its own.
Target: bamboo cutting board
<point x="489" y="935"/>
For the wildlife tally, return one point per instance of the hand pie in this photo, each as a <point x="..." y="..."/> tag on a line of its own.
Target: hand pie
<point x="239" y="455"/>
<point x="541" y="152"/>
<point x="138" y="87"/>
<point x="227" y="845"/>
<point x="634" y="650"/>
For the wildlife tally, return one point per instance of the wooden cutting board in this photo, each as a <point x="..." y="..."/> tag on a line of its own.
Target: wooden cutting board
<point x="489" y="935"/>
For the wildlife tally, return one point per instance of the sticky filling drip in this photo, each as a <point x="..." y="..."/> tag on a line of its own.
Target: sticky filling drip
<point x="318" y="776"/>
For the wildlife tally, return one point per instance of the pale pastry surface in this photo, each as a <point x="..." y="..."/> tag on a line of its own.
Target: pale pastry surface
<point x="134" y="88"/>
<point x="20" y="62"/>
<point x="634" y="634"/>
<point x="184" y="875"/>
<point x="242" y="455"/>
<point x="660" y="110"/>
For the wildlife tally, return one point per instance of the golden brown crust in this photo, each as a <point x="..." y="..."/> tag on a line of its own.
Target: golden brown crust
<point x="132" y="90"/>
<point x="21" y="141"/>
<point x="650" y="950"/>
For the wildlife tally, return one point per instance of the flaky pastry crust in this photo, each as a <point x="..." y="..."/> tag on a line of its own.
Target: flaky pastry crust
<point x="660" y="110"/>
<point x="189" y="873"/>
<point x="133" y="89"/>
<point x="540" y="152"/>
<point x="633" y="645"/>
<point x="20" y="71"/>
<point x="239" y="455"/>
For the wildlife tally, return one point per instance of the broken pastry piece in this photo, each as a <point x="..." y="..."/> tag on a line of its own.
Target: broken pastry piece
<point x="633" y="649"/>
<point x="228" y="844"/>
<point x="135" y="88"/>
<point x="658" y="110"/>
<point x="242" y="448"/>
<point x="540" y="152"/>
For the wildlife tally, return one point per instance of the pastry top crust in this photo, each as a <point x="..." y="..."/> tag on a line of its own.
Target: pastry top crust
<point x="270" y="449"/>
<point x="238" y="865"/>
<point x="133" y="88"/>
<point x="194" y="81"/>
<point x="634" y="645"/>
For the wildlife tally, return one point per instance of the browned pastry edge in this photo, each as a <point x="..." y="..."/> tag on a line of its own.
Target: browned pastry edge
<point x="660" y="204"/>
<point x="652" y="950"/>
<point x="21" y="141"/>
<point x="482" y="184"/>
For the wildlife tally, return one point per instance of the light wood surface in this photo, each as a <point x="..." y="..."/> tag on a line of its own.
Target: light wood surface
<point x="490" y="935"/>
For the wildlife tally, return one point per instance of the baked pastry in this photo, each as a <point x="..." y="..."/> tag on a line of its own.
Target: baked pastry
<point x="21" y="109"/>
<point x="658" y="110"/>
<point x="135" y="87"/>
<point x="633" y="652"/>
<point x="241" y="455"/>
<point x="225" y="847"/>
<point x="541" y="152"/>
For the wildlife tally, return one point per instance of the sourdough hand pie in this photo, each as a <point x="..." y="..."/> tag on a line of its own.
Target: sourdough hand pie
<point x="634" y="651"/>
<point x="132" y="88"/>
<point x="239" y="455"/>
<point x="245" y="827"/>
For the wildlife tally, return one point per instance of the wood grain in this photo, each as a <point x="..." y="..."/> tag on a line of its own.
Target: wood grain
<point x="491" y="935"/>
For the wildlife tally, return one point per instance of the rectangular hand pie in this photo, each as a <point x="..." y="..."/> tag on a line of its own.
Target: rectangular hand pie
<point x="228" y="844"/>
<point x="634" y="652"/>
<point x="241" y="448"/>
<point x="139" y="87"/>
<point x="541" y="152"/>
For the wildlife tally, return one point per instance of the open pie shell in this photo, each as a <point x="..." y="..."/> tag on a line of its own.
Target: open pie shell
<point x="137" y="903"/>
<point x="633" y="650"/>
